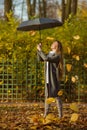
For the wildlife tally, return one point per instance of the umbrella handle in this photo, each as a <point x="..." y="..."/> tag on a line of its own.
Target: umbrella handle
<point x="40" y="36"/>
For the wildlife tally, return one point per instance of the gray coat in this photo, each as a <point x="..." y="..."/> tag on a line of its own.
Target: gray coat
<point x="51" y="89"/>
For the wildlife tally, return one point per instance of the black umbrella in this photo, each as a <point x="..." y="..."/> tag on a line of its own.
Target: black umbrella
<point x="39" y="24"/>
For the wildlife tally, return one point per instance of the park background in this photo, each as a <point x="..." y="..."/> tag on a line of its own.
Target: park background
<point x="22" y="77"/>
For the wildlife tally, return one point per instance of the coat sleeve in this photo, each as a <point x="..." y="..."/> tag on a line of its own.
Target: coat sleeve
<point x="53" y="59"/>
<point x="39" y="58"/>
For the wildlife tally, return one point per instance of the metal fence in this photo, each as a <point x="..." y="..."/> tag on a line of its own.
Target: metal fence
<point x="23" y="80"/>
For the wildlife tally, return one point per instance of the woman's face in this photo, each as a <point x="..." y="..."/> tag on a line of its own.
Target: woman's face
<point x="54" y="46"/>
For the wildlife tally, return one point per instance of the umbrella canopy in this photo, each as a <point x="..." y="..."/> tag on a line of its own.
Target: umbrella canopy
<point x="39" y="24"/>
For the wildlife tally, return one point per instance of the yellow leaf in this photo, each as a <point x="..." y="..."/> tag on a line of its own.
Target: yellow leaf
<point x="60" y="93"/>
<point x="35" y="119"/>
<point x="74" y="117"/>
<point x="77" y="37"/>
<point x="33" y="127"/>
<point x="35" y="105"/>
<point x="77" y="58"/>
<point x="73" y="79"/>
<point x="74" y="107"/>
<point x="32" y="33"/>
<point x="85" y="65"/>
<point x="9" y="91"/>
<point x="48" y="127"/>
<point x="68" y="67"/>
<point x="50" y="100"/>
<point x="66" y="78"/>
<point x="50" y="38"/>
<point x="1" y="82"/>
<point x="69" y="50"/>
<point x="49" y="118"/>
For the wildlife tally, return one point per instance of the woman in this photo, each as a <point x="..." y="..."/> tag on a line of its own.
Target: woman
<point x="53" y="73"/>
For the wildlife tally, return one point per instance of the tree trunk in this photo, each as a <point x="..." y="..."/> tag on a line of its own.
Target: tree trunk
<point x="40" y="9"/>
<point x="68" y="8"/>
<point x="29" y="10"/>
<point x="34" y="8"/>
<point x="44" y="8"/>
<point x="74" y="6"/>
<point x="63" y="10"/>
<point x="7" y="8"/>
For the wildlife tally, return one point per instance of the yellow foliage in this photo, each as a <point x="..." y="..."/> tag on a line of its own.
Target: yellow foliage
<point x="74" y="117"/>
<point x="50" y="100"/>
<point x="68" y="67"/>
<point x="74" y="107"/>
<point x="16" y="87"/>
<point x="1" y="69"/>
<point x="1" y="59"/>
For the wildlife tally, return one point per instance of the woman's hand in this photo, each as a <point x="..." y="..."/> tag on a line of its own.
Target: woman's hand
<point x="39" y="47"/>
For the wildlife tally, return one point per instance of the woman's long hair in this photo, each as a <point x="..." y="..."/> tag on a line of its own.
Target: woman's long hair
<point x="60" y="65"/>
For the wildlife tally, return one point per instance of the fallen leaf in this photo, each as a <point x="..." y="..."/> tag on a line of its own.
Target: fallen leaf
<point x="48" y="127"/>
<point x="49" y="118"/>
<point x="73" y="79"/>
<point x="74" y="117"/>
<point x="33" y="127"/>
<point x="74" y="106"/>
<point x="50" y="100"/>
<point x="60" y="93"/>
<point x="35" y="119"/>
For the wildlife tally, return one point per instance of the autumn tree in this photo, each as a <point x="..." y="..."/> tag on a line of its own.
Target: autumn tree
<point x="31" y="8"/>
<point x="68" y="7"/>
<point x="7" y="8"/>
<point x="74" y="6"/>
<point x="42" y="8"/>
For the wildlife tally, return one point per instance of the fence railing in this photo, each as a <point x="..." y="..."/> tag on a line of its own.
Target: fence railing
<point x="23" y="80"/>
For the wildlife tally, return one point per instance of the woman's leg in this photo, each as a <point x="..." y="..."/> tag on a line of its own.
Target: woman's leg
<point x="47" y="106"/>
<point x="59" y="106"/>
